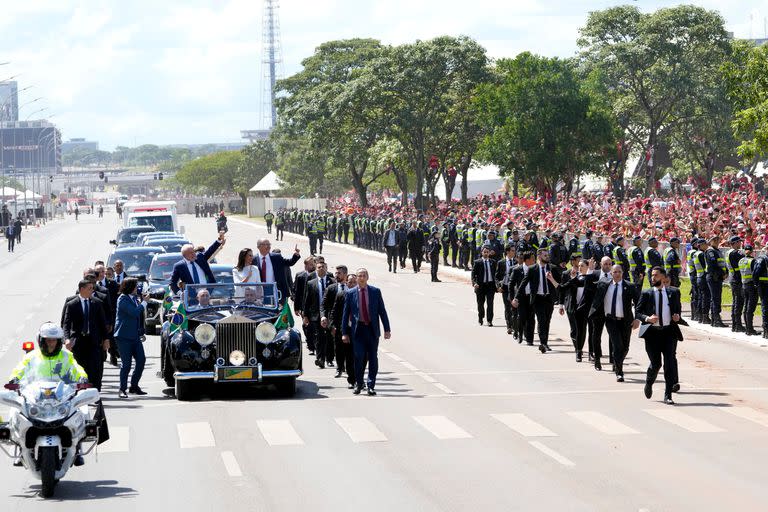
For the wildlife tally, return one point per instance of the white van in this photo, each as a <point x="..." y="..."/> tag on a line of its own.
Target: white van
<point x="160" y="214"/>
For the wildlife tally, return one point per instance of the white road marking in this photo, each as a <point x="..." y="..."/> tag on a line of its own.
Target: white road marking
<point x="442" y="428"/>
<point x="409" y="366"/>
<point x="20" y="329"/>
<point x="444" y="388"/>
<point x="683" y="420"/>
<point x="360" y="430"/>
<point x="279" y="432"/>
<point x="417" y="292"/>
<point x="230" y="464"/>
<point x="28" y="317"/>
<point x="393" y="285"/>
<point x="119" y="440"/>
<point x="748" y="413"/>
<point x="602" y="423"/>
<point x="448" y="302"/>
<point x="546" y="450"/>
<point x="426" y="377"/>
<point x="195" y="435"/>
<point x="394" y="356"/>
<point x="524" y="425"/>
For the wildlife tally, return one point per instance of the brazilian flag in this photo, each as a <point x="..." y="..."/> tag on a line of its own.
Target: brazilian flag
<point x="167" y="299"/>
<point x="179" y="319"/>
<point x="285" y="319"/>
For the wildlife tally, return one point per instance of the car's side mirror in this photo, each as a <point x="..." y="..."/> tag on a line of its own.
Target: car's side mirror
<point x="113" y="242"/>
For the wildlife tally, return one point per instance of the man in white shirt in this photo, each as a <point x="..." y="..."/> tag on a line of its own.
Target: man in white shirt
<point x="271" y="267"/>
<point x="484" y="283"/>
<point x="193" y="268"/>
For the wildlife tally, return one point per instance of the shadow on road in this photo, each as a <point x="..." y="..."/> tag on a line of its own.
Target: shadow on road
<point x="70" y="490"/>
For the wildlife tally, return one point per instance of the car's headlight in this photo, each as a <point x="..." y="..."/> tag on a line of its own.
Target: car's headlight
<point x="205" y="334"/>
<point x="265" y="332"/>
<point x="236" y="358"/>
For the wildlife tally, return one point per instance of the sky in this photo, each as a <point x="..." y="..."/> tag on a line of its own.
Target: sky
<point x="188" y="71"/>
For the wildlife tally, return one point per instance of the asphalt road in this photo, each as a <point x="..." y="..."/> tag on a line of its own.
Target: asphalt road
<point x="465" y="419"/>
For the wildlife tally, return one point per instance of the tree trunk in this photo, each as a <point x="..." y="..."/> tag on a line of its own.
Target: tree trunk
<point x="466" y="161"/>
<point x="650" y="167"/>
<point x="360" y="188"/>
<point x="515" y="184"/>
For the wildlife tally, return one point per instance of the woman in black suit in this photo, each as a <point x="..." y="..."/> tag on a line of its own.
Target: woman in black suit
<point x="129" y="333"/>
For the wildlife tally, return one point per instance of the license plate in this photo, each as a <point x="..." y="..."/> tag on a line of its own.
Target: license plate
<point x="237" y="373"/>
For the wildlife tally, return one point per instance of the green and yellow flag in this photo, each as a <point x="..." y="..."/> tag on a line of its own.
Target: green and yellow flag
<point x="179" y="320"/>
<point x="167" y="299"/>
<point x="285" y="319"/>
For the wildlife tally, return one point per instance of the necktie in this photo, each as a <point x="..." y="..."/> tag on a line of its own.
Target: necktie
<point x="195" y="276"/>
<point x="263" y="270"/>
<point x="364" y="306"/>
<point x="487" y="271"/>
<point x="661" y="306"/>
<point x="321" y="287"/>
<point x="614" y="299"/>
<point x="119" y="278"/>
<point x="544" y="280"/>
<point x="86" y="317"/>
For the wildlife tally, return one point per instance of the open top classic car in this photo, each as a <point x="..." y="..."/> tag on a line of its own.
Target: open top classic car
<point x="229" y="333"/>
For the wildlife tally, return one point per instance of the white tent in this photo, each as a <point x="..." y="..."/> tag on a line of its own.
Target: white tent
<point x="269" y="183"/>
<point x="8" y="192"/>
<point x="28" y="195"/>
<point x="482" y="179"/>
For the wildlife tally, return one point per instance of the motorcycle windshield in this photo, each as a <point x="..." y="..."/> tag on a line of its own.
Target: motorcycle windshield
<point x="38" y="389"/>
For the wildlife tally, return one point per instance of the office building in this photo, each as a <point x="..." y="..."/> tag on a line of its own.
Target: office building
<point x="9" y="101"/>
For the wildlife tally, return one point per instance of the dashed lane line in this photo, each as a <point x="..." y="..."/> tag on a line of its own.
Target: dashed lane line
<point x="524" y="425"/>
<point x="361" y="430"/>
<point x="602" y="423"/>
<point x="546" y="450"/>
<point x="231" y="465"/>
<point x="442" y="428"/>
<point x="195" y="435"/>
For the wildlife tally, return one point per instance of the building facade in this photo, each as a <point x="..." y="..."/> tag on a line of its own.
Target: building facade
<point x="30" y="146"/>
<point x="9" y="101"/>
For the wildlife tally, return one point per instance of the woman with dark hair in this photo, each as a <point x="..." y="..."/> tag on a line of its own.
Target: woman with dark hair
<point x="129" y="333"/>
<point x="244" y="271"/>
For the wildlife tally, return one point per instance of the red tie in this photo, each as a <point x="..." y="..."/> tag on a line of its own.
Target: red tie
<point x="263" y="269"/>
<point x="364" y="306"/>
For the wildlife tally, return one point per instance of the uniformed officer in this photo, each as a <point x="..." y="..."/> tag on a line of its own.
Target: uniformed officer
<point x="700" y="263"/>
<point x="445" y="240"/>
<point x="574" y="246"/>
<point x="546" y="240"/>
<point x="749" y="290"/>
<point x="586" y="246"/>
<point x="693" y="277"/>
<point x="558" y="254"/>
<point x="672" y="261"/>
<point x="636" y="262"/>
<point x="609" y="247"/>
<point x="320" y="230"/>
<point x="620" y="255"/>
<point x="760" y="276"/>
<point x="598" y="250"/>
<point x="433" y="253"/>
<point x="652" y="257"/>
<point x="716" y="274"/>
<point x="269" y="217"/>
<point x="453" y="239"/>
<point x="471" y="242"/>
<point x="494" y="245"/>
<point x="733" y="257"/>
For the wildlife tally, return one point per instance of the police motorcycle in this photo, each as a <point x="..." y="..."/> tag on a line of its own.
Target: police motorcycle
<point x="50" y="426"/>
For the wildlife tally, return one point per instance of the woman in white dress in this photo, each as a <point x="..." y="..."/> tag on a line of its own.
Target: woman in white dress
<point x="245" y="272"/>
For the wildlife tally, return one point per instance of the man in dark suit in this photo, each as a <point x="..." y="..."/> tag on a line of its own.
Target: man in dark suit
<point x="504" y="270"/>
<point x="299" y="287"/>
<point x="85" y="331"/>
<point x="10" y="235"/>
<point x="614" y="300"/>
<point x="540" y="289"/>
<point x="119" y="272"/>
<point x="660" y="310"/>
<point x="332" y="308"/>
<point x="391" y="242"/>
<point x="522" y="314"/>
<point x="312" y="315"/>
<point x="596" y="324"/>
<point x="576" y="293"/>
<point x="272" y="266"/>
<point x="484" y="283"/>
<point x="112" y="289"/>
<point x="193" y="268"/>
<point x="363" y="310"/>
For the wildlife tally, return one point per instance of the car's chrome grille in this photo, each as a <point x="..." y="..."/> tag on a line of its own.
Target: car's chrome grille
<point x="236" y="333"/>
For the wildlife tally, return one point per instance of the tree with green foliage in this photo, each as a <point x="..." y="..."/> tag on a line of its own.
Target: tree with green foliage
<point x="216" y="173"/>
<point x="655" y="65"/>
<point x="257" y="160"/>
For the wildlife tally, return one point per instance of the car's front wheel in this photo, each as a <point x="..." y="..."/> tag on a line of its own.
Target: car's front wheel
<point x="168" y="370"/>
<point x="286" y="387"/>
<point x="183" y="390"/>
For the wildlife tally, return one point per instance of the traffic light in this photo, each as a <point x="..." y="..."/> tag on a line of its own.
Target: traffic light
<point x="50" y="178"/>
<point x="69" y="190"/>
<point x="160" y="176"/>
<point x="106" y="179"/>
<point x="101" y="175"/>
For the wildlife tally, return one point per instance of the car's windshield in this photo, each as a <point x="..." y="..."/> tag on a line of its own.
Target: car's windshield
<point x="170" y="245"/>
<point x="228" y="294"/>
<point x="135" y="262"/>
<point x="160" y="222"/>
<point x="129" y="236"/>
<point x="154" y="234"/>
<point x="161" y="268"/>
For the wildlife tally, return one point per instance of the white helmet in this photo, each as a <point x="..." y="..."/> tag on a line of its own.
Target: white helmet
<point x="47" y="331"/>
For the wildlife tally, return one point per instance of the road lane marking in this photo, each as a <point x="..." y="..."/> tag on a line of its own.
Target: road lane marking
<point x="360" y="430"/>
<point x="19" y="329"/>
<point x="230" y="464"/>
<point x="417" y="292"/>
<point x="29" y="317"/>
<point x="442" y="428"/>
<point x="279" y="432"/>
<point x="119" y="440"/>
<point x="602" y="423"/>
<point x="195" y="435"/>
<point x="748" y="413"/>
<point x="546" y="450"/>
<point x="409" y="366"/>
<point x="524" y="425"/>
<point x="448" y="302"/>
<point x="394" y="356"/>
<point x="444" y="388"/>
<point x="393" y="285"/>
<point x="683" y="420"/>
<point x="426" y="377"/>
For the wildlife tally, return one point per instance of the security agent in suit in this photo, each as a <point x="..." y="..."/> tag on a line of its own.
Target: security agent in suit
<point x="312" y="314"/>
<point x="391" y="245"/>
<point x="331" y="311"/>
<point x="596" y="324"/>
<point x="577" y="291"/>
<point x="660" y="311"/>
<point x="504" y="270"/>
<point x="85" y="331"/>
<point x="615" y="301"/>
<point x="299" y="287"/>
<point x="484" y="283"/>
<point x="540" y="288"/>
<point x="363" y="310"/>
<point x="716" y="274"/>
<point x="524" y="319"/>
<point x="193" y="268"/>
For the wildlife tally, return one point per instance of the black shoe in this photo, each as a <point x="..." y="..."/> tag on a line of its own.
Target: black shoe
<point x="751" y="332"/>
<point x="480" y="322"/>
<point x="675" y="387"/>
<point x="79" y="461"/>
<point x="598" y="366"/>
<point x="578" y="357"/>
<point x="619" y="378"/>
<point x="136" y="391"/>
<point x="371" y="392"/>
<point x="330" y="364"/>
<point x="591" y="358"/>
<point x="350" y="386"/>
<point x="529" y="343"/>
<point x="338" y="374"/>
<point x="668" y="400"/>
<point x="436" y="280"/>
<point x="738" y="328"/>
<point x="546" y="346"/>
<point x="718" y="323"/>
<point x="122" y="394"/>
<point x="542" y="349"/>
<point x="648" y="389"/>
<point x="311" y="352"/>
<point x="320" y="364"/>
<point x="17" y="460"/>
<point x="490" y="324"/>
<point x="357" y="390"/>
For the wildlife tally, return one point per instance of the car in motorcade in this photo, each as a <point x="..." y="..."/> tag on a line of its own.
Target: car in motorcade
<point x="169" y="244"/>
<point x="126" y="237"/>
<point x="143" y="236"/>
<point x="136" y="260"/>
<point x="159" y="278"/>
<point x="239" y="335"/>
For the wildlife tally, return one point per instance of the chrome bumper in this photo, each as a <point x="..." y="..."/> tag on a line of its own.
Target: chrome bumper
<point x="265" y="374"/>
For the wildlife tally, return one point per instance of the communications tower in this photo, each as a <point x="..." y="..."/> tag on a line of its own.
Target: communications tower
<point x="271" y="71"/>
